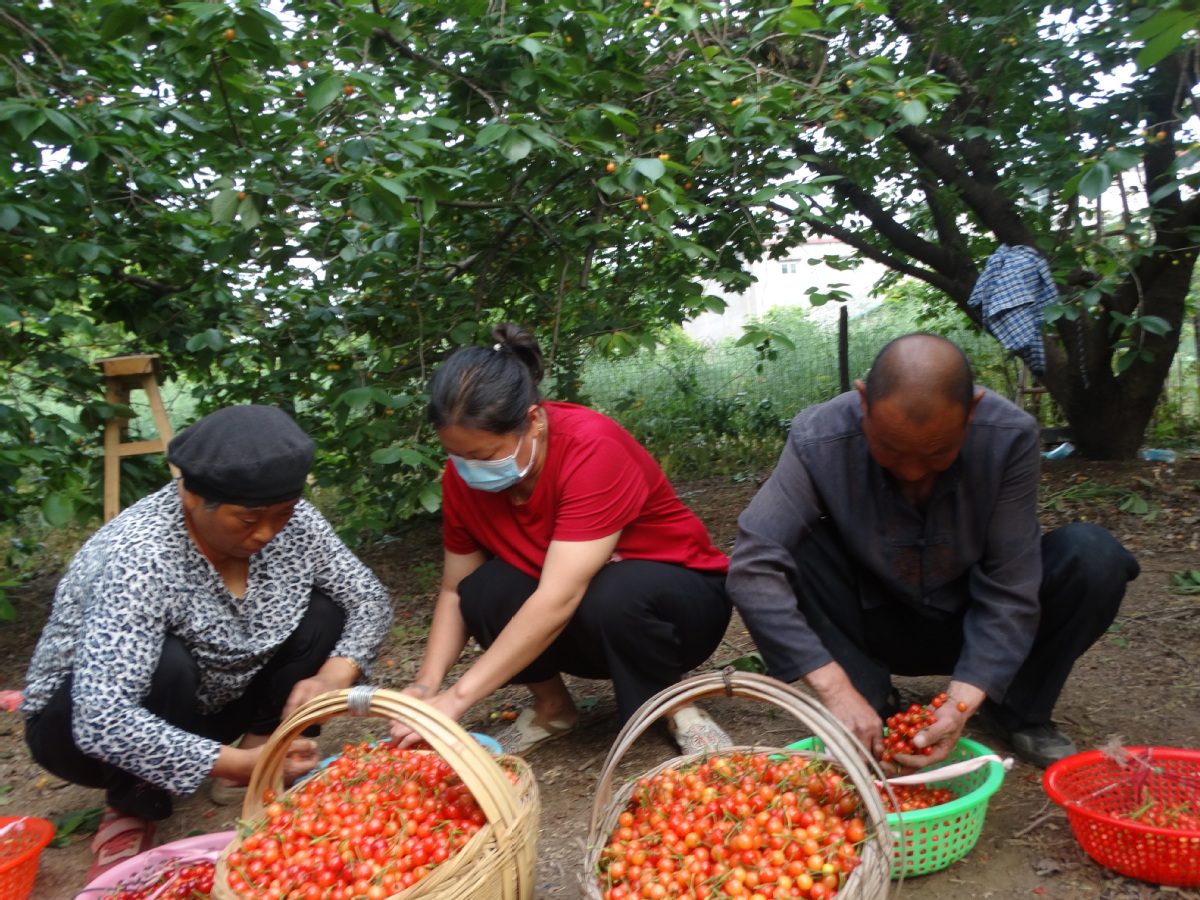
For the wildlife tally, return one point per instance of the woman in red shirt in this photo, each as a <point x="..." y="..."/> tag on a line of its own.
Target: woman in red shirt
<point x="566" y="551"/>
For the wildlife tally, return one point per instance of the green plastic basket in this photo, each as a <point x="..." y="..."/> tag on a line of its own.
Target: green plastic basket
<point x="929" y="840"/>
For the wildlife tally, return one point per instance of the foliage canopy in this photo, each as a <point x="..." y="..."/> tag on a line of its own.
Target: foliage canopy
<point x="310" y="202"/>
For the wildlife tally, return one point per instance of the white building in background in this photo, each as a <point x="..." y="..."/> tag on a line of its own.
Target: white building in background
<point x="783" y="282"/>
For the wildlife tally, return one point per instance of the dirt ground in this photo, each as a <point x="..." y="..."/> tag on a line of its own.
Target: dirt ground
<point x="1140" y="685"/>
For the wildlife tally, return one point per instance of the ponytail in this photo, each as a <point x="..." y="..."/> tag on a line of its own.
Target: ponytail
<point x="489" y="388"/>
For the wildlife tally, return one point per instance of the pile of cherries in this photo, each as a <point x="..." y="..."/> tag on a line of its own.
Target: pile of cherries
<point x="373" y="822"/>
<point x="755" y="826"/>
<point x="912" y="797"/>
<point x="178" y="880"/>
<point x="903" y="726"/>
<point x="1161" y="815"/>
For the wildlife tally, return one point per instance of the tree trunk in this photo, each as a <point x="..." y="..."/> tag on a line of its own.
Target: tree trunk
<point x="1108" y="412"/>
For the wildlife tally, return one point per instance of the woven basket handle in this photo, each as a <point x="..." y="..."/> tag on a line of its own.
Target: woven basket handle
<point x="839" y="742"/>
<point x="488" y="781"/>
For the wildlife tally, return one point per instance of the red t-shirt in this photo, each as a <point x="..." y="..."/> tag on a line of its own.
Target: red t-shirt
<point x="596" y="480"/>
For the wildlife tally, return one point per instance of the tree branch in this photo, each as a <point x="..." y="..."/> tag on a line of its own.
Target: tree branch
<point x="994" y="208"/>
<point x="35" y="38"/>
<point x="158" y="288"/>
<point x="225" y="98"/>
<point x="883" y="221"/>
<point x="412" y="56"/>
<point x="871" y="251"/>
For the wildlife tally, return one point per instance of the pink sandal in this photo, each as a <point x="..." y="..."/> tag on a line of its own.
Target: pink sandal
<point x="118" y="838"/>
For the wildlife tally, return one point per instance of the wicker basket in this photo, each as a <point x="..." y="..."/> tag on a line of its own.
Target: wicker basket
<point x="498" y="863"/>
<point x="869" y="881"/>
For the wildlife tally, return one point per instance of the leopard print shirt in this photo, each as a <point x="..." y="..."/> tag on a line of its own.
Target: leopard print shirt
<point x="139" y="578"/>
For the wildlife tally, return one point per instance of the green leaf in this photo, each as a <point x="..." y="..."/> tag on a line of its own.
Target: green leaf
<point x="530" y="46"/>
<point x="653" y="169"/>
<point x="248" y="214"/>
<point x="119" y="20"/>
<point x="1120" y="160"/>
<point x="1161" y="21"/>
<point x="464" y="332"/>
<point x="752" y="336"/>
<point x="415" y="458"/>
<point x="392" y="186"/>
<point x="515" y="146"/>
<point x="9" y="219"/>
<point x="1095" y="180"/>
<point x="688" y="16"/>
<point x="1056" y="311"/>
<point x="430" y="497"/>
<point x="63" y="123"/>
<point x="387" y="456"/>
<point x="796" y="21"/>
<point x="224" y="206"/>
<point x="1154" y="324"/>
<point x="620" y="121"/>
<point x="84" y="821"/>
<point x="210" y="339"/>
<point x="27" y="121"/>
<point x="356" y="398"/>
<point x="751" y="662"/>
<point x="57" y="509"/>
<point x="200" y="11"/>
<point x="1162" y="46"/>
<point x="913" y="112"/>
<point x="324" y="92"/>
<point x="491" y="133"/>
<point x="356" y="149"/>
<point x="1133" y="503"/>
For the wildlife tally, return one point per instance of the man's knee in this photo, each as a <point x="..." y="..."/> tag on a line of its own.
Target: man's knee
<point x="1084" y="561"/>
<point x="1087" y="550"/>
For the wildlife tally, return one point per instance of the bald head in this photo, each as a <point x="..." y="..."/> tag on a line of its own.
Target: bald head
<point x="921" y="374"/>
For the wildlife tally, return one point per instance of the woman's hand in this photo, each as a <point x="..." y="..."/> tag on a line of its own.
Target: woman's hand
<point x="302" y="758"/>
<point x="337" y="673"/>
<point x="445" y="703"/>
<point x="236" y="764"/>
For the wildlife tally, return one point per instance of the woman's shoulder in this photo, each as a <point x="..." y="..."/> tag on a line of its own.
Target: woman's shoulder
<point x="583" y="421"/>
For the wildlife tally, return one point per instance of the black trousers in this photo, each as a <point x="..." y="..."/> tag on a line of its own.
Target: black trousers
<point x="172" y="697"/>
<point x="641" y="623"/>
<point x="1084" y="574"/>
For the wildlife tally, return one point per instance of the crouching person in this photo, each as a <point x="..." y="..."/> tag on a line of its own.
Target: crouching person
<point x="189" y="626"/>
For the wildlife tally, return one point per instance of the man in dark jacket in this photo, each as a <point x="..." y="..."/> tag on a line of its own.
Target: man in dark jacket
<point x="899" y="535"/>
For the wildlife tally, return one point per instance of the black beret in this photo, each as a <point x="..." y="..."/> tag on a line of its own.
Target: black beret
<point x="244" y="455"/>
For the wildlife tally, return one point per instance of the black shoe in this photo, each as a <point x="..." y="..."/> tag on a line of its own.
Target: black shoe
<point x="1042" y="744"/>
<point x="1038" y="743"/>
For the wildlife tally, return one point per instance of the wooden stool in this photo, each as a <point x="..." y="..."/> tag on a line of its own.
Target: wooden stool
<point x="123" y="374"/>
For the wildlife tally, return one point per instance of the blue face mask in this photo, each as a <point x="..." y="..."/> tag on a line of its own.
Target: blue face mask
<point x="494" y="475"/>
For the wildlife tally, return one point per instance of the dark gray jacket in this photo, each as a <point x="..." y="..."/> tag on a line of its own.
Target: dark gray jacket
<point x="977" y="545"/>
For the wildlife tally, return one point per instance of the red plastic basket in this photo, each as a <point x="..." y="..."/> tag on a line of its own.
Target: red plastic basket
<point x="22" y="839"/>
<point x="1096" y="791"/>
